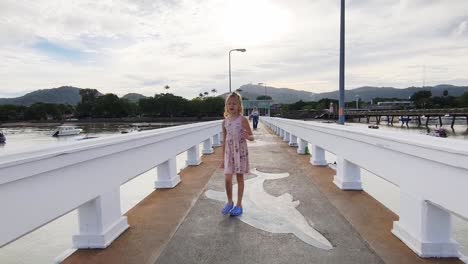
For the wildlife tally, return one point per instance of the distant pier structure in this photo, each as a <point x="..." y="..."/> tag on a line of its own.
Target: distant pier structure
<point x="421" y="116"/>
<point x="263" y="106"/>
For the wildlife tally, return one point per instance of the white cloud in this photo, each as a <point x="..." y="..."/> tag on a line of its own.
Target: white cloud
<point x="140" y="46"/>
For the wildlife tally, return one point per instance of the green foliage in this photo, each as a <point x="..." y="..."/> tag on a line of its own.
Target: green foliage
<point x="325" y="103"/>
<point x="422" y="99"/>
<point x="168" y="105"/>
<point x="41" y="111"/>
<point x="462" y="101"/>
<point x="12" y="112"/>
<point x="443" y="102"/>
<point x="264" y="97"/>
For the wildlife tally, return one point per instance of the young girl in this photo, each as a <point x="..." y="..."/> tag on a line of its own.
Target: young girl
<point x="236" y="130"/>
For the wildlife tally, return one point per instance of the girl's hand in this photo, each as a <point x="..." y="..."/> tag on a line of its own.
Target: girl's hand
<point x="245" y="135"/>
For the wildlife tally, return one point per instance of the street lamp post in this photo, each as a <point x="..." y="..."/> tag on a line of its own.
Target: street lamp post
<point x="357" y="101"/>
<point x="241" y="50"/>
<point x="341" y="117"/>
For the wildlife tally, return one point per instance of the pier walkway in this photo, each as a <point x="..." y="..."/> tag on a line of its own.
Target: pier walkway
<point x="293" y="213"/>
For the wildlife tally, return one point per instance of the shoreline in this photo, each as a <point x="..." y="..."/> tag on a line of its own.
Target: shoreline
<point x="109" y="120"/>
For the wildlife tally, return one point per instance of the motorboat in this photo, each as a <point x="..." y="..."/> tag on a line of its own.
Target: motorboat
<point x="130" y="129"/>
<point x="373" y="126"/>
<point x="2" y="137"/>
<point x="67" y="131"/>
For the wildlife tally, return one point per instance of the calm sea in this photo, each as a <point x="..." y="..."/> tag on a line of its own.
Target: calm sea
<point x="53" y="241"/>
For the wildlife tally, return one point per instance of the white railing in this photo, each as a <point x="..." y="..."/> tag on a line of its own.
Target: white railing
<point x="40" y="186"/>
<point x="432" y="174"/>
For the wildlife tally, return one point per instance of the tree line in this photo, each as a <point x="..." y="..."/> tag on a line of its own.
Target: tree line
<point x="94" y="105"/>
<point x="420" y="99"/>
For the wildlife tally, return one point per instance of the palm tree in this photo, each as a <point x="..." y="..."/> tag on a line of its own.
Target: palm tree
<point x="167" y="87"/>
<point x="205" y="93"/>
<point x="214" y="91"/>
<point x="200" y="95"/>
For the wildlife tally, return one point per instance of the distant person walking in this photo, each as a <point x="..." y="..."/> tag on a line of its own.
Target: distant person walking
<point x="236" y="130"/>
<point x="255" y="115"/>
<point x="331" y="111"/>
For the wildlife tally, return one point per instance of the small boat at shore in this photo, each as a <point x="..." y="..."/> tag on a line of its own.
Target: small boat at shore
<point x="130" y="129"/>
<point x="66" y="131"/>
<point x="2" y="137"/>
<point x="373" y="126"/>
<point x="439" y="132"/>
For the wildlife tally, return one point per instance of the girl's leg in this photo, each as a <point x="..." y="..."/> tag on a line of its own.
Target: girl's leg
<point x="228" y="184"/>
<point x="240" y="189"/>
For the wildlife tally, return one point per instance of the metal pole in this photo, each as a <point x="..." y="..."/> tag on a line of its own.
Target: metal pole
<point x="341" y="117"/>
<point x="230" y="70"/>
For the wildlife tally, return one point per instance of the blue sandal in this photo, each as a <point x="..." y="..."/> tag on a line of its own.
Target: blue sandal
<point x="236" y="211"/>
<point x="227" y="208"/>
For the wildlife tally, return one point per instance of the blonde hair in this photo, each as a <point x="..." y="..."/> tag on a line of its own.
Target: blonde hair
<point x="236" y="97"/>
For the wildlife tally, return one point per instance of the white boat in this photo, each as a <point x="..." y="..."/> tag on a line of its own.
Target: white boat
<point x="66" y="131"/>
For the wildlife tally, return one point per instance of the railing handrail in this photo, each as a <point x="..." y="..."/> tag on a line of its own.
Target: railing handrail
<point x="15" y="159"/>
<point x="433" y="143"/>
<point x="38" y="186"/>
<point x="451" y="154"/>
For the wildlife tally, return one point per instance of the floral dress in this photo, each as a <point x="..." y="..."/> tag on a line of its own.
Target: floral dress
<point x="236" y="155"/>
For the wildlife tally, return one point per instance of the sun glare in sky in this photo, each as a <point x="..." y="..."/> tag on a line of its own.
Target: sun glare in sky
<point x="254" y="22"/>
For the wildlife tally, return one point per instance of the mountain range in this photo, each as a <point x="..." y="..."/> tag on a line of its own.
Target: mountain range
<point x="366" y="93"/>
<point x="71" y="95"/>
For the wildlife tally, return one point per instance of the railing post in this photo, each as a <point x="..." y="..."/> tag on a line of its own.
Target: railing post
<point x="193" y="156"/>
<point x="216" y="141"/>
<point x="281" y="133"/>
<point x="301" y="148"/>
<point x="424" y="227"/>
<point x="318" y="156"/>
<point x="207" y="147"/>
<point x="292" y="140"/>
<point x="286" y="136"/>
<point x="100" y="221"/>
<point x="167" y="174"/>
<point x="348" y="175"/>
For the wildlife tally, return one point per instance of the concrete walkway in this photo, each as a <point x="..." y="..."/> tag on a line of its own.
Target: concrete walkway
<point x="184" y="225"/>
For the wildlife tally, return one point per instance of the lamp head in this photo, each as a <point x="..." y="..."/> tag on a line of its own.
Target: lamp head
<point x="241" y="50"/>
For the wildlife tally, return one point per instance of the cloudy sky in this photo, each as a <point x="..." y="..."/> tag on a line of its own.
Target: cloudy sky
<point x="123" y="46"/>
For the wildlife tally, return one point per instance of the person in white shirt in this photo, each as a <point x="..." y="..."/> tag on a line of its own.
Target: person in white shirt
<point x="255" y="115"/>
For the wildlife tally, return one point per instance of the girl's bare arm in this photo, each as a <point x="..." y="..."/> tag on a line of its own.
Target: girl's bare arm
<point x="224" y="142"/>
<point x="248" y="132"/>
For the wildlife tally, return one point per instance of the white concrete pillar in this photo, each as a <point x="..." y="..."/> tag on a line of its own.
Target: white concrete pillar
<point x="348" y="175"/>
<point x="301" y="147"/>
<point x="193" y="156"/>
<point x="167" y="174"/>
<point x="424" y="227"/>
<point x="318" y="156"/>
<point x="292" y="140"/>
<point x="286" y="136"/>
<point x="207" y="147"/>
<point x="216" y="141"/>
<point x="100" y="221"/>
